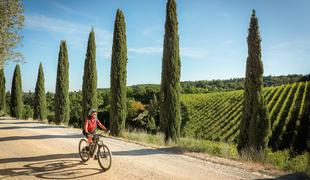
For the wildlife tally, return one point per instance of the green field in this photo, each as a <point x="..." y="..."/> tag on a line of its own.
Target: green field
<point x="216" y="116"/>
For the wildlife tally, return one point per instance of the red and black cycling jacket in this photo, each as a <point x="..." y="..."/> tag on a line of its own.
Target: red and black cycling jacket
<point x="91" y="124"/>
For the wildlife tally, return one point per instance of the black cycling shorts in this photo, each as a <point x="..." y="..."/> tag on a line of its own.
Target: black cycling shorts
<point x="89" y="133"/>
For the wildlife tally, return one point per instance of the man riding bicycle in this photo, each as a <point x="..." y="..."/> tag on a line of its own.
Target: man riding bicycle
<point x="90" y="125"/>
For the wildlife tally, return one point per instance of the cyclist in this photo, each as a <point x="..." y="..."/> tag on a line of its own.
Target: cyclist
<point x="90" y="125"/>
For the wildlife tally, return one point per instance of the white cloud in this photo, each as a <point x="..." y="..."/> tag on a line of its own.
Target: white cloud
<point x="145" y="50"/>
<point x="75" y="33"/>
<point x="186" y="52"/>
<point x="43" y="23"/>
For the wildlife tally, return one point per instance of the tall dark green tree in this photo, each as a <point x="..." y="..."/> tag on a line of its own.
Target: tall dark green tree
<point x="255" y="124"/>
<point x="62" y="106"/>
<point x="89" y="89"/>
<point x="118" y="109"/>
<point x="16" y="101"/>
<point x="39" y="106"/>
<point x="2" y="93"/>
<point x="170" y="112"/>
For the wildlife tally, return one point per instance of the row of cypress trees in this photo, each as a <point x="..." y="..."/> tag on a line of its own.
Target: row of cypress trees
<point x="118" y="109"/>
<point x="170" y="115"/>
<point x="89" y="88"/>
<point x="255" y="125"/>
<point x="16" y="100"/>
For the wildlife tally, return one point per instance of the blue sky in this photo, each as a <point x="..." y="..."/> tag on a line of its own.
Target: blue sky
<point x="212" y="38"/>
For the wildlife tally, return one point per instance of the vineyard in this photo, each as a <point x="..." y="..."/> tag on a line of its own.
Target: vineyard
<point x="216" y="116"/>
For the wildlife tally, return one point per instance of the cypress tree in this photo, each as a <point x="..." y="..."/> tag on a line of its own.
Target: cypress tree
<point x="16" y="101"/>
<point x="255" y="124"/>
<point x="39" y="109"/>
<point x="118" y="109"/>
<point x="170" y="113"/>
<point x="89" y="89"/>
<point x="2" y="93"/>
<point x="62" y="107"/>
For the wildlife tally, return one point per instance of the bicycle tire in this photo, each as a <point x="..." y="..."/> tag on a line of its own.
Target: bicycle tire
<point x="80" y="151"/>
<point x="108" y="153"/>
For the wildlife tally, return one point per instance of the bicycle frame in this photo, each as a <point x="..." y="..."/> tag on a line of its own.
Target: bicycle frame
<point x="97" y="143"/>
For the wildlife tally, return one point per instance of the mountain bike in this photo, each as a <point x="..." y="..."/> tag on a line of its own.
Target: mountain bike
<point x="97" y="150"/>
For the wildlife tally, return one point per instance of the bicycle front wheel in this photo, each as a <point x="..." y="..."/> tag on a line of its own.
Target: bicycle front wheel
<point x="83" y="152"/>
<point x="104" y="157"/>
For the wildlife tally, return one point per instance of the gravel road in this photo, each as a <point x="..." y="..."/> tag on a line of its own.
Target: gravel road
<point x="31" y="150"/>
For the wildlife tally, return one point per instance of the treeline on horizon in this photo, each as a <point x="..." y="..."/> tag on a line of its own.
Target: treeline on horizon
<point x="140" y="97"/>
<point x="206" y="86"/>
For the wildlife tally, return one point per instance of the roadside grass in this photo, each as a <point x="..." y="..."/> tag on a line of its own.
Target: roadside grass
<point x="140" y="136"/>
<point x="284" y="161"/>
<point x="280" y="159"/>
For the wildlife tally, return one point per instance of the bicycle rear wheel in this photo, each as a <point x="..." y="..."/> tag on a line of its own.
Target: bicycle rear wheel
<point x="84" y="154"/>
<point x="104" y="157"/>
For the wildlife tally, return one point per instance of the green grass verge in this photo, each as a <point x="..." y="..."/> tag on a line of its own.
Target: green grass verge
<point x="279" y="159"/>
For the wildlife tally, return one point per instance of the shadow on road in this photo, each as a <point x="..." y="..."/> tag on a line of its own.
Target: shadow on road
<point x="52" y="169"/>
<point x="7" y="118"/>
<point x="295" y="176"/>
<point x="39" y="158"/>
<point x="145" y="152"/>
<point x="29" y="127"/>
<point x="21" y="122"/>
<point x="14" y="138"/>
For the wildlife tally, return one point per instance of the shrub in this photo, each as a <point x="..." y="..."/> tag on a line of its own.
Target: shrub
<point x="27" y="112"/>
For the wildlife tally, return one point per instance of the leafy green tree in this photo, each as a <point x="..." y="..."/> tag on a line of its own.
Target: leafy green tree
<point x="89" y="89"/>
<point x="255" y="124"/>
<point x="16" y="101"/>
<point x="2" y="93"/>
<point x="27" y="111"/>
<point x="11" y="22"/>
<point x="75" y="108"/>
<point x="39" y="108"/>
<point x="170" y="113"/>
<point x="118" y="109"/>
<point x="62" y="107"/>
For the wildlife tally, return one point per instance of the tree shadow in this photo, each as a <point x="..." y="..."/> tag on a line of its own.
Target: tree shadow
<point x="294" y="176"/>
<point x="14" y="138"/>
<point x="39" y="158"/>
<point x="7" y="118"/>
<point x="29" y="127"/>
<point x="145" y="152"/>
<point x="185" y="117"/>
<point x="21" y="122"/>
<point x="51" y="169"/>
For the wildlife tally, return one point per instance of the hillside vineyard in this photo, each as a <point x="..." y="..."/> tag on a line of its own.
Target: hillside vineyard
<point x="217" y="116"/>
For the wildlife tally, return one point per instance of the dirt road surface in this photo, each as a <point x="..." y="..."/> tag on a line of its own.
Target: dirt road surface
<point x="31" y="150"/>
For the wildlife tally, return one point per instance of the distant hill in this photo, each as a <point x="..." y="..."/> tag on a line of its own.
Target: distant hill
<point x="145" y="92"/>
<point x="204" y="86"/>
